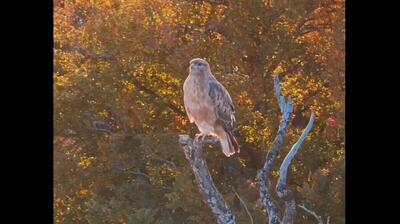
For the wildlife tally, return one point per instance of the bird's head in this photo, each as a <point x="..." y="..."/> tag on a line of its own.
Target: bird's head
<point x="198" y="65"/>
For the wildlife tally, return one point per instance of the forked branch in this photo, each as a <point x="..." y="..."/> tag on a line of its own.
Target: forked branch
<point x="286" y="107"/>
<point x="283" y="191"/>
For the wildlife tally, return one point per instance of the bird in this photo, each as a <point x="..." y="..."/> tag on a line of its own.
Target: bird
<point x="209" y="105"/>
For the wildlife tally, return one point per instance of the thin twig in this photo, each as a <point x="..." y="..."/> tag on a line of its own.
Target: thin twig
<point x="317" y="217"/>
<point x="170" y="163"/>
<point x="102" y="126"/>
<point x="139" y="174"/>
<point x="244" y="205"/>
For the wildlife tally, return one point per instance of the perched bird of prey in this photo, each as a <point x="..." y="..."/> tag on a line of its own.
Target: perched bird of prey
<point x="209" y="105"/>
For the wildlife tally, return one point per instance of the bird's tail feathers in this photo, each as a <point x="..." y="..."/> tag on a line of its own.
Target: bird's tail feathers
<point x="229" y="144"/>
<point x="234" y="146"/>
<point x="225" y="146"/>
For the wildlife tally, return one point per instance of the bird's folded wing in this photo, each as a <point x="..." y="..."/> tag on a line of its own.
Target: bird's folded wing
<point x="223" y="105"/>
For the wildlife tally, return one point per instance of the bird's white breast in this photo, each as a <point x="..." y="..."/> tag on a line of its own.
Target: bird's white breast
<point x="199" y="103"/>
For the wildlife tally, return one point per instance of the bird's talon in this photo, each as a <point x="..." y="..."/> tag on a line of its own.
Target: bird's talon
<point x="198" y="136"/>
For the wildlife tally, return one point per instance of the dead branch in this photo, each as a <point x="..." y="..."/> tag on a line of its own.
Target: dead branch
<point x="263" y="174"/>
<point x="317" y="217"/>
<point x="282" y="189"/>
<point x="193" y="150"/>
<point x="244" y="205"/>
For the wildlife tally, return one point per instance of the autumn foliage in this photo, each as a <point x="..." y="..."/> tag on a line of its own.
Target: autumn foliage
<point x="119" y="67"/>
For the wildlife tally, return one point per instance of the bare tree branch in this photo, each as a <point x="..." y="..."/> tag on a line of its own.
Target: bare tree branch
<point x="279" y="96"/>
<point x="284" y="193"/>
<point x="193" y="150"/>
<point x="99" y="125"/>
<point x="263" y="174"/>
<point x="282" y="189"/>
<point x="170" y="163"/>
<point x="139" y="174"/>
<point x="286" y="162"/>
<point x="244" y="205"/>
<point x="317" y="217"/>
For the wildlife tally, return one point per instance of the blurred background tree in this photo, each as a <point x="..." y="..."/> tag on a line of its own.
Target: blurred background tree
<point x="119" y="67"/>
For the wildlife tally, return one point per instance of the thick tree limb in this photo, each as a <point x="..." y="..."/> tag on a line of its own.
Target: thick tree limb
<point x="193" y="150"/>
<point x="263" y="174"/>
<point x="282" y="189"/>
<point x="317" y="217"/>
<point x="286" y="162"/>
